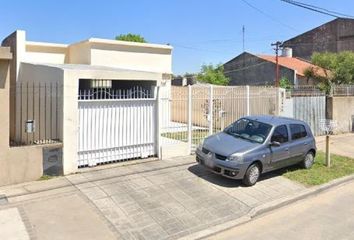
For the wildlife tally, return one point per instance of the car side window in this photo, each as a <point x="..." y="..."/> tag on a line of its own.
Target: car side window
<point x="280" y="134"/>
<point x="297" y="131"/>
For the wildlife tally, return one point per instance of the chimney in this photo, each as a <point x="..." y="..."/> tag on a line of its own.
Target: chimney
<point x="287" y="52"/>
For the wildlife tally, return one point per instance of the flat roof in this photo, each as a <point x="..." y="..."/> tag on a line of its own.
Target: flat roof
<point x="124" y="43"/>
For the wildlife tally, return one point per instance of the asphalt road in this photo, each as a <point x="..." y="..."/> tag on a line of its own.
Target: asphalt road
<point x="329" y="215"/>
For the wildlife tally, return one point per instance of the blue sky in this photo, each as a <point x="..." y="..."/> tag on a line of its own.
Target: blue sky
<point x="201" y="31"/>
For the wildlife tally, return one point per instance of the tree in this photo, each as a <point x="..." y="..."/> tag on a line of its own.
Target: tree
<point x="131" y="38"/>
<point x="331" y="69"/>
<point x="285" y="83"/>
<point x="213" y="75"/>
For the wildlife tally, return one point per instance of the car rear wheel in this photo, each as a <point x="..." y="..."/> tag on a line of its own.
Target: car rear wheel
<point x="252" y="175"/>
<point x="308" y="160"/>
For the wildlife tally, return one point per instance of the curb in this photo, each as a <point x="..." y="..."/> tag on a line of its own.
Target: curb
<point x="265" y="208"/>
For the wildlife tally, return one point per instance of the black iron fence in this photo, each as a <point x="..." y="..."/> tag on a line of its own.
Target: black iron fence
<point x="37" y="113"/>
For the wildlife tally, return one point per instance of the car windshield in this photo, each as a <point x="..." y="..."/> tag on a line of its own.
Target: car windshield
<point x="249" y="129"/>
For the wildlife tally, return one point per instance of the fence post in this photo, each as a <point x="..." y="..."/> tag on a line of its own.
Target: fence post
<point x="158" y="121"/>
<point x="190" y="119"/>
<point x="211" y="91"/>
<point x="248" y="99"/>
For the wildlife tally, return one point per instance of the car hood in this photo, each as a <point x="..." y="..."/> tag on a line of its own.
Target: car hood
<point x="225" y="144"/>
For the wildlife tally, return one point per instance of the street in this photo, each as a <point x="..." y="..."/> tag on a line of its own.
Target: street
<point x="329" y="215"/>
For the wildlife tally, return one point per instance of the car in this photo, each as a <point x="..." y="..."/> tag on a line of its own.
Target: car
<point x="254" y="145"/>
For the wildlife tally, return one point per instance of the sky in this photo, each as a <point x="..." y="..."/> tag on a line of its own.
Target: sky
<point x="200" y="31"/>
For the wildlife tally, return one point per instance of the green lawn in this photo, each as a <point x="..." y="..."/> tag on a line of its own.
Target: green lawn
<point x="319" y="173"/>
<point x="197" y="135"/>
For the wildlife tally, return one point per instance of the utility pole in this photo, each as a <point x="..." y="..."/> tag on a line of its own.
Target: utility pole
<point x="277" y="47"/>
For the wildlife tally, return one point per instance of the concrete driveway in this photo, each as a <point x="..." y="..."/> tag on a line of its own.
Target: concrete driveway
<point x="154" y="200"/>
<point x="342" y="144"/>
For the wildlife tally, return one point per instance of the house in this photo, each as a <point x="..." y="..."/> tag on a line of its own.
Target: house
<point x="334" y="36"/>
<point x="97" y="97"/>
<point x="251" y="69"/>
<point x="188" y="79"/>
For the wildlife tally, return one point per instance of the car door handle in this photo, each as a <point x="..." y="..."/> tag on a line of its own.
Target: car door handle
<point x="306" y="144"/>
<point x="286" y="149"/>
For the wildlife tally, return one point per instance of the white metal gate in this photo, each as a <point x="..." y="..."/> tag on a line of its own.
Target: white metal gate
<point x="116" y="129"/>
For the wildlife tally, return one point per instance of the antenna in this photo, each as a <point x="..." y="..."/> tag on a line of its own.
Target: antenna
<point x="243" y="38"/>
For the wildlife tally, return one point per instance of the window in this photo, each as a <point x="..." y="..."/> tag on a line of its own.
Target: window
<point x="297" y="131"/>
<point x="280" y="134"/>
<point x="249" y="129"/>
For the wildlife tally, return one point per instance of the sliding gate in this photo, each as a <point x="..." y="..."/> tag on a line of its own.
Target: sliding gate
<point x="116" y="129"/>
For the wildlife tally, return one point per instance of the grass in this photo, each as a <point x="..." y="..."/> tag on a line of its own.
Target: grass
<point x="319" y="173"/>
<point x="197" y="135"/>
<point x="45" y="177"/>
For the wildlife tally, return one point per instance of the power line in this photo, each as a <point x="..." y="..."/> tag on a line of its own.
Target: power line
<point x="317" y="9"/>
<point x="269" y="16"/>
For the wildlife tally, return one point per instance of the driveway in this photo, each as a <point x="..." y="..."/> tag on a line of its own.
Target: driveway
<point x="154" y="200"/>
<point x="340" y="144"/>
<point x="173" y="198"/>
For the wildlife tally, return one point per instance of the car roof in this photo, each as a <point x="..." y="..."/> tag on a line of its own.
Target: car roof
<point x="274" y="120"/>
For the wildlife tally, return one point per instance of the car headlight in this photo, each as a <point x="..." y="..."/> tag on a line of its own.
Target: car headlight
<point x="236" y="157"/>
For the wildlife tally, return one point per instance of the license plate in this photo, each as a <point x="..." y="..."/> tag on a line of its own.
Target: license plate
<point x="208" y="161"/>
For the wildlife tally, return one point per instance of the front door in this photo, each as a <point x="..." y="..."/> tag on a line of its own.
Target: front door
<point x="280" y="155"/>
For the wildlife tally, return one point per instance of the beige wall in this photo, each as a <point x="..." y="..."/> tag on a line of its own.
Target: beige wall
<point x="136" y="58"/>
<point x="37" y="53"/>
<point x="342" y="110"/>
<point x="79" y="54"/>
<point x="17" y="164"/>
<point x="37" y="103"/>
<point x="98" y="52"/>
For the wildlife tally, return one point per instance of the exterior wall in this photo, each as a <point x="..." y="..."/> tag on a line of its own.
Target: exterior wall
<point x="19" y="164"/>
<point x="253" y="71"/>
<point x="136" y="58"/>
<point x="79" y="54"/>
<point x="29" y="103"/>
<point x="342" y="110"/>
<point x="334" y="36"/>
<point x="16" y="41"/>
<point x="36" y="53"/>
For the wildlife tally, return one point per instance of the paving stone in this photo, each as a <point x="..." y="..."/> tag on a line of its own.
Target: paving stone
<point x="163" y="202"/>
<point x="94" y="193"/>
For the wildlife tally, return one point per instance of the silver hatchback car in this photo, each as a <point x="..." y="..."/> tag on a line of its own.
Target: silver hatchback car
<point x="257" y="144"/>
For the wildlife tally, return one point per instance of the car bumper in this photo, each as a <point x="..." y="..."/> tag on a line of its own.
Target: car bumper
<point x="220" y="167"/>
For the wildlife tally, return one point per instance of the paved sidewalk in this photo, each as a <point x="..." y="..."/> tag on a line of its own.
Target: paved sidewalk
<point x="342" y="144"/>
<point x="154" y="200"/>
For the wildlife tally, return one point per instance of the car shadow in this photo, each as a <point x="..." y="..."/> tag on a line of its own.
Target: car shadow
<point x="219" y="180"/>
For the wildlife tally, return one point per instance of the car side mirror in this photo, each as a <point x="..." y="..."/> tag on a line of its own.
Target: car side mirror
<point x="275" y="144"/>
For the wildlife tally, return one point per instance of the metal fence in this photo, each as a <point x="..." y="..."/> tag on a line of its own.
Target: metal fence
<point x="109" y="93"/>
<point x="38" y="113"/>
<point x="343" y="90"/>
<point x="194" y="112"/>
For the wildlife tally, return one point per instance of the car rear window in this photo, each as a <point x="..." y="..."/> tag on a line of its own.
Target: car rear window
<point x="297" y="131"/>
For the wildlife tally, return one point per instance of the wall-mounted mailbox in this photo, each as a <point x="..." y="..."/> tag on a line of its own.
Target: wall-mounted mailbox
<point x="29" y="126"/>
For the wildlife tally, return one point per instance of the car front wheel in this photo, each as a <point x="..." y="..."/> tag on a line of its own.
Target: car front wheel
<point x="308" y="160"/>
<point x="252" y="175"/>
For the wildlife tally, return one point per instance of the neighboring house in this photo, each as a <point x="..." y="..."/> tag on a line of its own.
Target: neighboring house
<point x="183" y="80"/>
<point x="333" y="36"/>
<point x="250" y="69"/>
<point x="95" y="96"/>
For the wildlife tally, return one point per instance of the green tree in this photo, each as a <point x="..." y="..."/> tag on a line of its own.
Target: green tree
<point x="131" y="38"/>
<point x="331" y="69"/>
<point x="213" y="75"/>
<point x="285" y="83"/>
